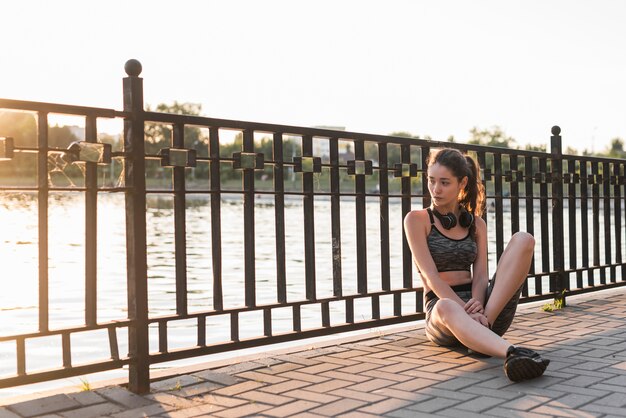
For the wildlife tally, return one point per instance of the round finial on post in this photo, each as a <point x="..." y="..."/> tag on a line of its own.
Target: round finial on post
<point x="132" y="67"/>
<point x="556" y="130"/>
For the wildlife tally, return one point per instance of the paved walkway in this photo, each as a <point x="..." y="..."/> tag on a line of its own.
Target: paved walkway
<point x="394" y="374"/>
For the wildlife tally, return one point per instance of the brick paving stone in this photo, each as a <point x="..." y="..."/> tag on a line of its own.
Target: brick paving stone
<point x="305" y="377"/>
<point x="438" y="377"/>
<point x="174" y="382"/>
<point x="359" y="396"/>
<point x="408" y="413"/>
<point x="329" y="386"/>
<point x="480" y="403"/>
<point x="357" y="414"/>
<point x="221" y="378"/>
<point x="614" y="399"/>
<point x="281" y="367"/>
<point x="262" y="377"/>
<point x="340" y="361"/>
<point x="572" y="400"/>
<point x="145" y="411"/>
<point x="172" y="400"/>
<point x="443" y="393"/>
<point x="86" y="397"/>
<point x="243" y="410"/>
<point x="384" y="375"/>
<point x="456" y="383"/>
<point x="303" y="394"/>
<point x="526" y="402"/>
<point x="285" y="386"/>
<point x="338" y="407"/>
<point x="195" y="390"/>
<point x="360" y="367"/>
<point x="565" y="412"/>
<point x="602" y="409"/>
<point x="296" y="407"/>
<point x="294" y="358"/>
<point x="123" y="396"/>
<point x="456" y="413"/>
<point x="240" y="367"/>
<point x="401" y="394"/>
<point x="433" y="405"/>
<point x="319" y="368"/>
<point x="340" y="374"/>
<point x="218" y="400"/>
<point x="5" y="413"/>
<point x="239" y="388"/>
<point x="385" y="406"/>
<point x="350" y="354"/>
<point x="194" y="411"/>
<point x="608" y="388"/>
<point x="45" y="405"/>
<point x="397" y="368"/>
<point x="414" y="384"/>
<point x="93" y="411"/>
<point x="372" y="384"/>
<point x="478" y="390"/>
<point x="512" y="413"/>
<point x="264" y="397"/>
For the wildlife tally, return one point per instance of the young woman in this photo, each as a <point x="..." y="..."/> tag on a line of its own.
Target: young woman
<point x="449" y="246"/>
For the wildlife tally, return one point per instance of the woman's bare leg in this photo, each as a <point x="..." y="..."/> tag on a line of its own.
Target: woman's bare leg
<point x="451" y="318"/>
<point x="510" y="273"/>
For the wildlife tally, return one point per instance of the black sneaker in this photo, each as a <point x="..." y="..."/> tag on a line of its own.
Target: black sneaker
<point x="523" y="364"/>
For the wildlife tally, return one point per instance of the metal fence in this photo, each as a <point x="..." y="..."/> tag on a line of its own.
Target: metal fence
<point x="572" y="204"/>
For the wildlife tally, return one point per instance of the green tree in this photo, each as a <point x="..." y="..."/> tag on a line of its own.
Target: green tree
<point x="494" y="137"/>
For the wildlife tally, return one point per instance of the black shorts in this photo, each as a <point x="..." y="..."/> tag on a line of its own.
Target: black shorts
<point x="464" y="291"/>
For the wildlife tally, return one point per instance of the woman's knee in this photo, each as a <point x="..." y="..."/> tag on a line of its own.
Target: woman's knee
<point x="445" y="308"/>
<point x="524" y="241"/>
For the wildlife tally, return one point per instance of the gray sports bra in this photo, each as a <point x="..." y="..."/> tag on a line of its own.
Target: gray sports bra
<point x="450" y="254"/>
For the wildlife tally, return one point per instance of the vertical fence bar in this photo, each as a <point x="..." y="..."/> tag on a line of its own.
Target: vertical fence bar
<point x="617" y="215"/>
<point x="135" y="196"/>
<point x="201" y="328"/>
<point x="558" y="240"/>
<point x="91" y="229"/>
<point x="113" y="345"/>
<point x="530" y="212"/>
<point x="180" y="224"/>
<point x="497" y="168"/>
<point x="66" y="348"/>
<point x="279" y="217"/>
<point x="606" y="203"/>
<point x="42" y="202"/>
<point x="383" y="189"/>
<point x="545" y="234"/>
<point x="514" y="195"/>
<point x="407" y="258"/>
<point x="361" y="224"/>
<point x="248" y="214"/>
<point x="309" y="221"/>
<point x="584" y="220"/>
<point x="20" y="354"/>
<point x="595" y="203"/>
<point x="216" y="218"/>
<point x="572" y="215"/>
<point x="335" y="216"/>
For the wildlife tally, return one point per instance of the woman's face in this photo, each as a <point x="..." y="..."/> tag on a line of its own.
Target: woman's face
<point x="443" y="186"/>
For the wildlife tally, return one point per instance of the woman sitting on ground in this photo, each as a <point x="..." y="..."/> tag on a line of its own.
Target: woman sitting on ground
<point x="463" y="306"/>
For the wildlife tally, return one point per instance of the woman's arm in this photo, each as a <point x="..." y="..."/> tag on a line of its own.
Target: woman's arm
<point x="416" y="228"/>
<point x="480" y="273"/>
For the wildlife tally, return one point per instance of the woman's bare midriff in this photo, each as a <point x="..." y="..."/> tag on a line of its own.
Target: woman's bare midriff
<point x="452" y="278"/>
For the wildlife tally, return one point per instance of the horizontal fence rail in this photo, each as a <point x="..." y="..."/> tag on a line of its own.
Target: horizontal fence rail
<point x="333" y="203"/>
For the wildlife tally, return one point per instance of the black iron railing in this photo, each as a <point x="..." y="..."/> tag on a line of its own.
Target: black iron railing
<point x="381" y="177"/>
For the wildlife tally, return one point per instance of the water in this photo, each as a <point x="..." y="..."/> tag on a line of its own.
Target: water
<point x="18" y="257"/>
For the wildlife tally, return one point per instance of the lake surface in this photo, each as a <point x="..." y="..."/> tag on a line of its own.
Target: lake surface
<point x="18" y="257"/>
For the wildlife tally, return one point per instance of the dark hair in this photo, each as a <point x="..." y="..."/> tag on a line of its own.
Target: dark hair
<point x="472" y="198"/>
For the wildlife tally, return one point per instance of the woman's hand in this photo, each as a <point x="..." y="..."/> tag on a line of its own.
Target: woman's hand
<point x="473" y="306"/>
<point x="480" y="318"/>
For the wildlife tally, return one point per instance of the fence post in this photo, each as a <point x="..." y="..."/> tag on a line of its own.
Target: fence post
<point x="558" y="248"/>
<point x="136" y="261"/>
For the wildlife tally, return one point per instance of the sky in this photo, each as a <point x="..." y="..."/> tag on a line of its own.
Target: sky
<point x="436" y="68"/>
